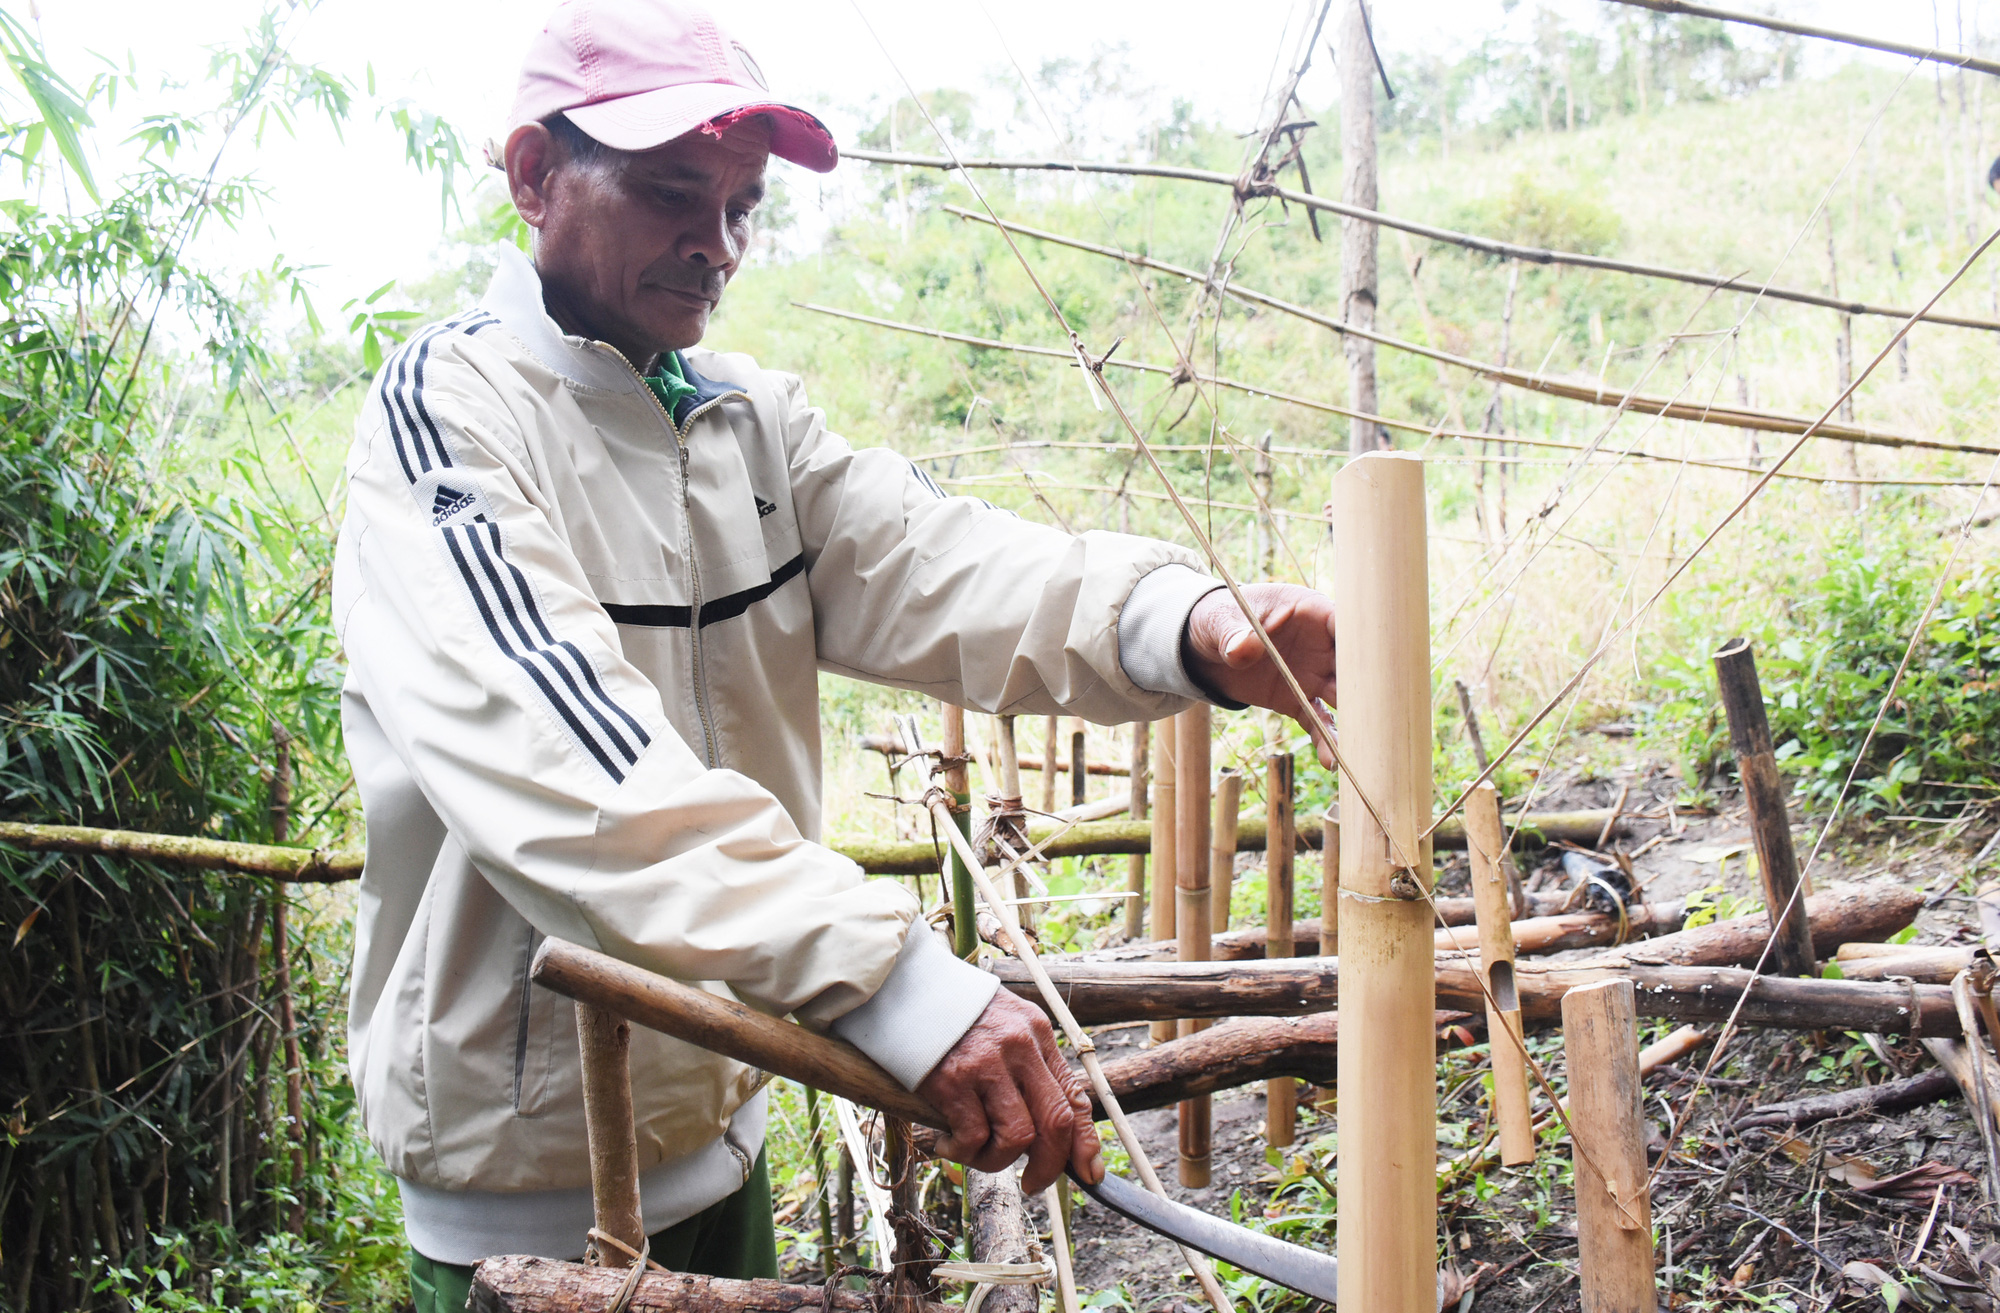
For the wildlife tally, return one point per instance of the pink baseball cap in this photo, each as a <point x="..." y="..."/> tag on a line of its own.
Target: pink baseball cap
<point x="636" y="74"/>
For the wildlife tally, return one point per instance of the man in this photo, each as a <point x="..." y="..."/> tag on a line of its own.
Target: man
<point x="587" y="578"/>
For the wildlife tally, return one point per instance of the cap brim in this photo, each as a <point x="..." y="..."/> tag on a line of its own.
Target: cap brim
<point x="654" y="118"/>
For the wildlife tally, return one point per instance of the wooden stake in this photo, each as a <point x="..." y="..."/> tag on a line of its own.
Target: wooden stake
<point x="1764" y="795"/>
<point x="1166" y="883"/>
<point x="1010" y="757"/>
<point x="1192" y="915"/>
<point x="1388" y="1070"/>
<point x="1487" y="840"/>
<point x="1614" y="1215"/>
<point x="1135" y="865"/>
<point x="996" y="1231"/>
<point x="964" y="902"/>
<point x="606" y="1045"/>
<point x="1079" y="766"/>
<point x="1222" y="848"/>
<point x="1358" y="238"/>
<point x="1281" y="1096"/>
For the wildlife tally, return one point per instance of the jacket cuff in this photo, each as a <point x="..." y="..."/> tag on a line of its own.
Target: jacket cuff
<point x="1151" y="629"/>
<point x="928" y="1002"/>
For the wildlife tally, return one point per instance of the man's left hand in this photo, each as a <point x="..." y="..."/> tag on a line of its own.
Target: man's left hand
<point x="1225" y="656"/>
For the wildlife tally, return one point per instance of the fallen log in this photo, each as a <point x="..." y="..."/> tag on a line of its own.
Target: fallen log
<point x="300" y="865"/>
<point x="1928" y="966"/>
<point x="517" y="1283"/>
<point x="1890" y="1096"/>
<point x="1110" y="838"/>
<point x="1245" y="1052"/>
<point x="1554" y="934"/>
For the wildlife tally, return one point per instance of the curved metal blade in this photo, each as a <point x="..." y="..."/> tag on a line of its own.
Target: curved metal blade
<point x="1295" y="1267"/>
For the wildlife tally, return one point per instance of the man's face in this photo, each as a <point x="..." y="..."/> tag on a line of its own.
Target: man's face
<point x="635" y="248"/>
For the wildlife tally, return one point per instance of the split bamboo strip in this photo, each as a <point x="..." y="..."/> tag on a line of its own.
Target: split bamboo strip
<point x="1166" y="877"/>
<point x="1592" y="394"/>
<point x="605" y="1042"/>
<point x="1614" y="1216"/>
<point x="1387" y="1223"/>
<point x="1470" y="241"/>
<point x="1135" y="865"/>
<point x="1281" y="1095"/>
<point x="1086" y="1051"/>
<point x="1727" y="417"/>
<point x="1193" y="912"/>
<point x="1954" y="58"/>
<point x="1488" y="846"/>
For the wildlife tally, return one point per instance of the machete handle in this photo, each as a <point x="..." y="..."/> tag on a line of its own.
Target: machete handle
<point x="725" y="1026"/>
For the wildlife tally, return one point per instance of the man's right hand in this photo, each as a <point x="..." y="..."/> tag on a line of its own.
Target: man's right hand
<point x="1006" y="1091"/>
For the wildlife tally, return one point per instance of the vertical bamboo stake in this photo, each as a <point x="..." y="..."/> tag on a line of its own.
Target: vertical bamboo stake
<point x="1166" y="884"/>
<point x="281" y="963"/>
<point x="1486" y="838"/>
<point x="1191" y="829"/>
<point x="1222" y="846"/>
<point x="606" y="1044"/>
<point x="1764" y="795"/>
<point x="1329" y="883"/>
<point x="1135" y="865"/>
<point x="964" y="901"/>
<point x="1281" y="1096"/>
<point x="1614" y="1215"/>
<point x="816" y="1137"/>
<point x="1049" y="750"/>
<point x="1387" y="1063"/>
<point x="1010" y="757"/>
<point x="1358" y="239"/>
<point x="1079" y="768"/>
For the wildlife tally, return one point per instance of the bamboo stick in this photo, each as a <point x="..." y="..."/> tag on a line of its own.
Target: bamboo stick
<point x="1388" y="1105"/>
<point x="1359" y="238"/>
<point x="964" y="905"/>
<point x="1222" y="848"/>
<point x="1281" y="1094"/>
<point x="1764" y="796"/>
<point x="1744" y="284"/>
<point x="1079" y="766"/>
<point x="605" y="1042"/>
<point x="1166" y="877"/>
<point x="1614" y="1218"/>
<point x="1135" y="865"/>
<point x="1953" y="58"/>
<point x="1329" y="887"/>
<point x="281" y="964"/>
<point x="1193" y="912"/>
<point x="1049" y="753"/>
<point x="1488" y="845"/>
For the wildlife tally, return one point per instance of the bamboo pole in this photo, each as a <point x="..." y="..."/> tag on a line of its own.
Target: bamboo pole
<point x="1953" y="58"/>
<point x="1329" y="886"/>
<point x="1079" y="766"/>
<point x="1193" y="912"/>
<point x="1388" y="1104"/>
<point x="1281" y="1095"/>
<point x="1135" y="865"/>
<point x="1358" y="237"/>
<point x="281" y="964"/>
<point x="1166" y="878"/>
<point x="1222" y="849"/>
<point x="1764" y="796"/>
<point x="605" y="1042"/>
<point x="1614" y="1215"/>
<point x="1747" y="285"/>
<point x="964" y="903"/>
<point x="1487" y="841"/>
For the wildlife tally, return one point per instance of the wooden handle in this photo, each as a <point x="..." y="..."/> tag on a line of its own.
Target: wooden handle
<point x="727" y="1027"/>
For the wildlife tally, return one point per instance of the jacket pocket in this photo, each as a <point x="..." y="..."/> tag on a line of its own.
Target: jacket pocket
<point x="533" y="1036"/>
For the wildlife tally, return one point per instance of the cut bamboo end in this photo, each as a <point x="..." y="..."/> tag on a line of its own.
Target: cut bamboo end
<point x="1222" y="846"/>
<point x="1386" y="1063"/>
<point x="1614" y="1216"/>
<point x="1486" y="840"/>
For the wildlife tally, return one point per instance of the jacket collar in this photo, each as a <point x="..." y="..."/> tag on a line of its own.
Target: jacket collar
<point x="514" y="297"/>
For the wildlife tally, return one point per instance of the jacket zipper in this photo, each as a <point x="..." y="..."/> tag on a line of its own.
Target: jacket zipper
<point x="708" y="746"/>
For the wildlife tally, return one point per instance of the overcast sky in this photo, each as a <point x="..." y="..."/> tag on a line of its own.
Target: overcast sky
<point x="357" y="210"/>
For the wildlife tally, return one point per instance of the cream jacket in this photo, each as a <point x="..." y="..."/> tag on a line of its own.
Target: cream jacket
<point x="584" y="639"/>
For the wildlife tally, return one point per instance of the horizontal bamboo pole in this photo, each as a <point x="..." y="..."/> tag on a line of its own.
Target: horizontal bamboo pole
<point x="1590" y="394"/>
<point x="1470" y="241"/>
<point x="889" y="747"/>
<point x="333" y="866"/>
<point x="1930" y="54"/>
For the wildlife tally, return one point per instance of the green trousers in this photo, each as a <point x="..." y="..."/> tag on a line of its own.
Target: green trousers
<point x="733" y="1237"/>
